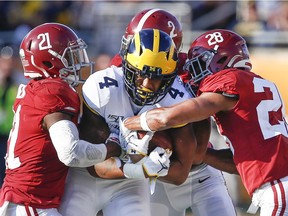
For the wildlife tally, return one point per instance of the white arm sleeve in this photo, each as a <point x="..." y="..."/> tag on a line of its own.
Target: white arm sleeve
<point x="72" y="151"/>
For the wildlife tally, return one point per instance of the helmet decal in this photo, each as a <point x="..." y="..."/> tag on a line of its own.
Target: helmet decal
<point x="45" y="41"/>
<point x="144" y="18"/>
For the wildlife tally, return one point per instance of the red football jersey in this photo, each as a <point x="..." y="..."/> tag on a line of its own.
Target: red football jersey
<point x="255" y="129"/>
<point x="116" y="61"/>
<point x="34" y="174"/>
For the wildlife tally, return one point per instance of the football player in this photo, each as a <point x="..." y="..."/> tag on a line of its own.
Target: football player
<point x="248" y="110"/>
<point x="204" y="191"/>
<point x="148" y="78"/>
<point x="44" y="138"/>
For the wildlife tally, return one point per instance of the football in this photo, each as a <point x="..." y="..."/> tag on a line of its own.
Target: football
<point x="159" y="139"/>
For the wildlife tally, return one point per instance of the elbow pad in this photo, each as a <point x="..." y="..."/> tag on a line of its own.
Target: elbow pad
<point x="74" y="152"/>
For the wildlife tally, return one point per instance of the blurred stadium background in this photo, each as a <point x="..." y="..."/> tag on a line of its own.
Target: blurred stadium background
<point x="264" y="24"/>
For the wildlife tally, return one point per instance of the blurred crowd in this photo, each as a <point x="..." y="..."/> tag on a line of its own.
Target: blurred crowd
<point x="102" y="22"/>
<point x="269" y="15"/>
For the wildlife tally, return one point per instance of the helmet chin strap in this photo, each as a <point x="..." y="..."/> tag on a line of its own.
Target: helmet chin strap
<point x="39" y="68"/>
<point x="244" y="63"/>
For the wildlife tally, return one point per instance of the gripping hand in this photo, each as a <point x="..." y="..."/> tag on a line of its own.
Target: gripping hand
<point x="136" y="145"/>
<point x="158" y="162"/>
<point x="129" y="140"/>
<point x="123" y="134"/>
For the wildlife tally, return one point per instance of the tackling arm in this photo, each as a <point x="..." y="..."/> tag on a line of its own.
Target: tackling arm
<point x="202" y="130"/>
<point x="184" y="147"/>
<point x="221" y="159"/>
<point x="93" y="128"/>
<point x="191" y="110"/>
<point x="70" y="149"/>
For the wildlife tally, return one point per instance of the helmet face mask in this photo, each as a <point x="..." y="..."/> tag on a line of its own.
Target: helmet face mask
<point x="212" y="52"/>
<point x="198" y="66"/>
<point x="142" y="96"/>
<point x="124" y="44"/>
<point x="54" y="50"/>
<point x="151" y="54"/>
<point x="74" y="58"/>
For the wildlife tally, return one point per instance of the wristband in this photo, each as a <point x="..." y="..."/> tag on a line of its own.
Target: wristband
<point x="143" y="122"/>
<point x="113" y="137"/>
<point x="117" y="161"/>
<point x="133" y="171"/>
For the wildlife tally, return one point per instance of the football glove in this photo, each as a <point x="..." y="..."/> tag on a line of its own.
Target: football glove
<point x="129" y="140"/>
<point x="157" y="163"/>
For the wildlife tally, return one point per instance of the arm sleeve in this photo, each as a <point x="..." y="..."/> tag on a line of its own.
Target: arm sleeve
<point x="71" y="150"/>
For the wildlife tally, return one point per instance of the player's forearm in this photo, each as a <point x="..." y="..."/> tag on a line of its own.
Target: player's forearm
<point x="155" y="119"/>
<point x="221" y="159"/>
<point x="75" y="152"/>
<point x="113" y="149"/>
<point x="168" y="117"/>
<point x="108" y="169"/>
<point x="113" y="168"/>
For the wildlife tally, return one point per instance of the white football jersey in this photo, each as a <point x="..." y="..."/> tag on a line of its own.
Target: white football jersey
<point x="104" y="92"/>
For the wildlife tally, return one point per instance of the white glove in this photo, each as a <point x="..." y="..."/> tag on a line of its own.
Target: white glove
<point x="130" y="141"/>
<point x="136" y="145"/>
<point x="124" y="132"/>
<point x="158" y="162"/>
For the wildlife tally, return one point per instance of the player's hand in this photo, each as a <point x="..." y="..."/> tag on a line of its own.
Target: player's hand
<point x="123" y="134"/>
<point x="114" y="140"/>
<point x="158" y="162"/>
<point x="129" y="140"/>
<point x="136" y="145"/>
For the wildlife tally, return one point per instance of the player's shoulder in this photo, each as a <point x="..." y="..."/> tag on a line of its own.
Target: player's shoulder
<point x="176" y="94"/>
<point x="53" y="88"/>
<point x="104" y="78"/>
<point x="54" y="94"/>
<point x="103" y="86"/>
<point x="178" y="86"/>
<point x="224" y="77"/>
<point x="230" y="81"/>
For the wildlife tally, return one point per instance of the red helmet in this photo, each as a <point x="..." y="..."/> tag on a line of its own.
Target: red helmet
<point x="54" y="50"/>
<point x="156" y="19"/>
<point x="214" y="51"/>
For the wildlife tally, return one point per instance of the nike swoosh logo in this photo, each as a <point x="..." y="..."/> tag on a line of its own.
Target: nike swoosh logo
<point x="202" y="180"/>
